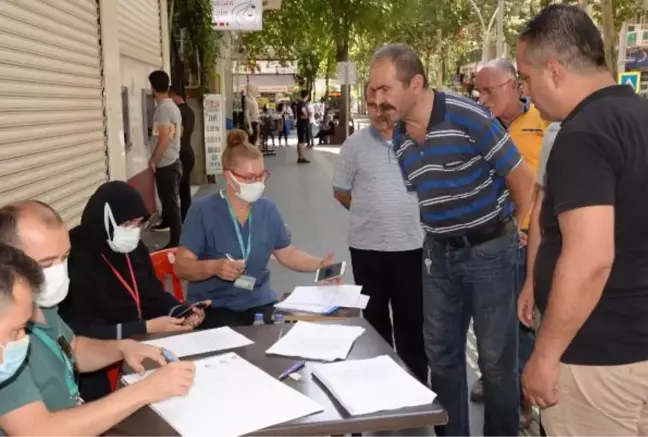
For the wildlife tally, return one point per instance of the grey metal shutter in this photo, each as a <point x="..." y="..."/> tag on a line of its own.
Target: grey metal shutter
<point x="140" y="33"/>
<point x="52" y="124"/>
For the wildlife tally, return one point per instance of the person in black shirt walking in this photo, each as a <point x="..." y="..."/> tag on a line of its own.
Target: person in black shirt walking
<point x="187" y="156"/>
<point x="589" y="367"/>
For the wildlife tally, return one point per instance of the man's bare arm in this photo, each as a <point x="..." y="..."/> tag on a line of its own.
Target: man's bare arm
<point x="92" y="354"/>
<point x="535" y="234"/>
<point x="521" y="182"/>
<point x="93" y="418"/>
<point x="581" y="273"/>
<point x="343" y="197"/>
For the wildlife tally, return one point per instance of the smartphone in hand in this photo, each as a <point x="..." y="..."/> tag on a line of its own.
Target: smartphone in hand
<point x="328" y="273"/>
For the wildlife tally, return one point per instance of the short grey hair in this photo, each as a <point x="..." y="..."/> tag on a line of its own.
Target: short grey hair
<point x="565" y="33"/>
<point x="501" y="64"/>
<point x="405" y="60"/>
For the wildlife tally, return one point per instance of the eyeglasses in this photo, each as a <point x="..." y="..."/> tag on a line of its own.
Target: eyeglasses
<point x="251" y="178"/>
<point x="486" y="91"/>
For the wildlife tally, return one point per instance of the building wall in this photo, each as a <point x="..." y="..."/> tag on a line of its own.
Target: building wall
<point x="134" y="80"/>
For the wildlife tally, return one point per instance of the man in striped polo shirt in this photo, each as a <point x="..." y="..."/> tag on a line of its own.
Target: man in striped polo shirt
<point x="385" y="237"/>
<point x="473" y="188"/>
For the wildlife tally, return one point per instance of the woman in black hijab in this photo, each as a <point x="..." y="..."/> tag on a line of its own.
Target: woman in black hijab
<point x="114" y="292"/>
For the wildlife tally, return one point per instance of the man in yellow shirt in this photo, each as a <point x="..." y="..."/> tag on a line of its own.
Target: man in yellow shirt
<point x="499" y="91"/>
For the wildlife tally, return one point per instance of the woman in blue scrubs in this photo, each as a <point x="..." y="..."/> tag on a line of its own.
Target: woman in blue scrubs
<point x="228" y="239"/>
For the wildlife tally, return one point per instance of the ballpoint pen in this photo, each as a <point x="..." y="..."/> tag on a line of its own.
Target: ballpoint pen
<point x="168" y="356"/>
<point x="292" y="369"/>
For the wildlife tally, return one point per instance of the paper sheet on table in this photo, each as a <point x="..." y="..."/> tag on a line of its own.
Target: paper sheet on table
<point x="375" y="384"/>
<point x="361" y="304"/>
<point x="231" y="397"/>
<point x="314" y="341"/>
<point x="322" y="299"/>
<point x="200" y="342"/>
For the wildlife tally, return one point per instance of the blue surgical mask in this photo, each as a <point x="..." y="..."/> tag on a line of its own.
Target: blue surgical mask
<point x="13" y="355"/>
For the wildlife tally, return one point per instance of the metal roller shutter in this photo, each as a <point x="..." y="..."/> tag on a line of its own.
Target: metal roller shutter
<point x="140" y="35"/>
<point x="52" y="133"/>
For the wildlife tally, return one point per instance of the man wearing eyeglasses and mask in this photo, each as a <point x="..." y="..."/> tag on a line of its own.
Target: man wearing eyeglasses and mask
<point x="42" y="397"/>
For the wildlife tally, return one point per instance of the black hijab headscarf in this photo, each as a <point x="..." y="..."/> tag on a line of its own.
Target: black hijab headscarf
<point x="125" y="203"/>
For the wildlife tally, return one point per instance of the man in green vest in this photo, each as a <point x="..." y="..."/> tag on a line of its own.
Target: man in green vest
<point x="42" y="397"/>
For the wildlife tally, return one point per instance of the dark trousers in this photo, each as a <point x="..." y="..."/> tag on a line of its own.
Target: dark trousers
<point x="473" y="282"/>
<point x="394" y="278"/>
<point x="254" y="138"/>
<point x="526" y="336"/>
<point x="188" y="161"/>
<point x="218" y="317"/>
<point x="167" y="180"/>
<point x="283" y="133"/>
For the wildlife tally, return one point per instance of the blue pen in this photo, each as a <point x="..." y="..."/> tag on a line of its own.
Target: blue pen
<point x="168" y="356"/>
<point x="331" y="310"/>
<point x="294" y="368"/>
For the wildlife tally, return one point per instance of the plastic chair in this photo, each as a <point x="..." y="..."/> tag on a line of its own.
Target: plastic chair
<point x="163" y="261"/>
<point x="114" y="373"/>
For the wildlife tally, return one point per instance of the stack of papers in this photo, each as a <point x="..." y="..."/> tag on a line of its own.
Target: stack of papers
<point x="376" y="384"/>
<point x="324" y="299"/>
<point x="231" y="397"/>
<point x="200" y="342"/>
<point x="314" y="341"/>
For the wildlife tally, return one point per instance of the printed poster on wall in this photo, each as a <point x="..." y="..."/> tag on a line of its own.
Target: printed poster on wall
<point x="245" y="15"/>
<point x="215" y="135"/>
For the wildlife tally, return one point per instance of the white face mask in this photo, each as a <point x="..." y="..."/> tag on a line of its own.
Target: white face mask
<point x="249" y="192"/>
<point x="56" y="285"/>
<point x="125" y="239"/>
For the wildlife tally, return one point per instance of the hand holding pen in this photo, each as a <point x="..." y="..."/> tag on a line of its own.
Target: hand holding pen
<point x="229" y="269"/>
<point x="173" y="379"/>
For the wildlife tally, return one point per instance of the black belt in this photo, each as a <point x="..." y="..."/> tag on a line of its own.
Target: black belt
<point x="481" y="236"/>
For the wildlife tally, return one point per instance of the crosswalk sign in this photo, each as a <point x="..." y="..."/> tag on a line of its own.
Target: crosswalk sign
<point x="631" y="78"/>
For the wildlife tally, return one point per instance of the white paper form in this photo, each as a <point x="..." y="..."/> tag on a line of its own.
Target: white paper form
<point x="314" y="341"/>
<point x="375" y="384"/>
<point x="200" y="342"/>
<point x="231" y="397"/>
<point x="321" y="299"/>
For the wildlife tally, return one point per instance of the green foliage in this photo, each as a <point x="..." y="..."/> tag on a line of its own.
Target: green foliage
<point x="445" y="33"/>
<point x="299" y="31"/>
<point x="202" y="42"/>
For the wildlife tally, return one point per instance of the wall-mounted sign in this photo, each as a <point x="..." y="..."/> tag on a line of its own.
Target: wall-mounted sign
<point x="237" y="14"/>
<point x="215" y="134"/>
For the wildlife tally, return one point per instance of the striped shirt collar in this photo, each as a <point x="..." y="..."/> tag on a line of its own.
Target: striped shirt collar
<point x="437" y="116"/>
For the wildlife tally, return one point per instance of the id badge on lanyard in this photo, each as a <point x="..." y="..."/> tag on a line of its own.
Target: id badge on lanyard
<point x="62" y="350"/>
<point x="245" y="282"/>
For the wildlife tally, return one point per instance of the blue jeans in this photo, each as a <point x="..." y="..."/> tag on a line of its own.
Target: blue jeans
<point x="526" y="336"/>
<point x="473" y="282"/>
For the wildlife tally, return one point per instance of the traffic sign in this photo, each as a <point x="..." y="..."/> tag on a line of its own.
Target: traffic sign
<point x="631" y="78"/>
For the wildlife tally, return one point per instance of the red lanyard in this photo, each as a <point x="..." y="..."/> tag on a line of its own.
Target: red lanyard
<point x="133" y="291"/>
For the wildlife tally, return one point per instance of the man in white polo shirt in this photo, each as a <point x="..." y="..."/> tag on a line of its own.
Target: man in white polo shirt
<point x="385" y="237"/>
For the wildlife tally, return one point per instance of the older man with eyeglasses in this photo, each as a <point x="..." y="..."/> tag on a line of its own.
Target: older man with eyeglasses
<point x="499" y="91"/>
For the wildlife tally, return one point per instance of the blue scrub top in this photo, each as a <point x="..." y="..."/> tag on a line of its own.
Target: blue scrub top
<point x="209" y="233"/>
